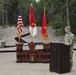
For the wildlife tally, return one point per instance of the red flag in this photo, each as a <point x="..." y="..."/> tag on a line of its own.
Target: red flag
<point x="44" y="26"/>
<point x="19" y="24"/>
<point x="32" y="22"/>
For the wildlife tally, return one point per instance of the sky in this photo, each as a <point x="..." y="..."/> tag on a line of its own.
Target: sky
<point x="37" y="0"/>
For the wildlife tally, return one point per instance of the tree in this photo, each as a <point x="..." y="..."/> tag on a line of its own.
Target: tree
<point x="59" y="12"/>
<point x="13" y="10"/>
<point x="2" y="10"/>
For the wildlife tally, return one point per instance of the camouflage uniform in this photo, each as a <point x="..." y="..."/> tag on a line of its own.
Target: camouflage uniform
<point x="69" y="40"/>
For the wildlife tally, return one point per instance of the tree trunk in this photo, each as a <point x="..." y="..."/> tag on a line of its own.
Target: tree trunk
<point x="3" y="13"/>
<point x="67" y="12"/>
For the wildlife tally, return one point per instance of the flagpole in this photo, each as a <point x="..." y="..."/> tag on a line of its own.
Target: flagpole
<point x="32" y="28"/>
<point x="46" y="41"/>
<point x="32" y="35"/>
<point x="19" y="24"/>
<point x="32" y="22"/>
<point x="44" y="26"/>
<point x="19" y="40"/>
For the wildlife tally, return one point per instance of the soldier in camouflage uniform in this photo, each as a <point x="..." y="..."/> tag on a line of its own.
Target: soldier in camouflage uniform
<point x="69" y="40"/>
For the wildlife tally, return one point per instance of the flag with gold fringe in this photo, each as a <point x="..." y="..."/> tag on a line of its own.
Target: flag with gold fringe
<point x="19" y="24"/>
<point x="44" y="26"/>
<point x="32" y="22"/>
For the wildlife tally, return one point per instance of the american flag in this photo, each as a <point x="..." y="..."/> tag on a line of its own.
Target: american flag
<point x="19" y="24"/>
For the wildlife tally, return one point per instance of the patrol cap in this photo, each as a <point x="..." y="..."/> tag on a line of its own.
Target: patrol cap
<point x="67" y="27"/>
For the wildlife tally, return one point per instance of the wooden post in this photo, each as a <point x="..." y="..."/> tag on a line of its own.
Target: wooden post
<point x="19" y="48"/>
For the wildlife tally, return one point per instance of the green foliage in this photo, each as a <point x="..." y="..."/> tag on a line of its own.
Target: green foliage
<point x="2" y="10"/>
<point x="72" y="6"/>
<point x="58" y="23"/>
<point x="13" y="10"/>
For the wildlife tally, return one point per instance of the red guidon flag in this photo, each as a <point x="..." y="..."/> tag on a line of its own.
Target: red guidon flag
<point x="19" y="24"/>
<point x="44" y="26"/>
<point x="32" y="22"/>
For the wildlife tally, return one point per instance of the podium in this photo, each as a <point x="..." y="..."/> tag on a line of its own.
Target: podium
<point x="59" y="58"/>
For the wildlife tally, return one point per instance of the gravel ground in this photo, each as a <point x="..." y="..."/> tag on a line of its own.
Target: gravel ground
<point x="8" y="66"/>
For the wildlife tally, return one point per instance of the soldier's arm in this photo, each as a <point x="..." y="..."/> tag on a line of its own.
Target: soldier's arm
<point x="72" y="40"/>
